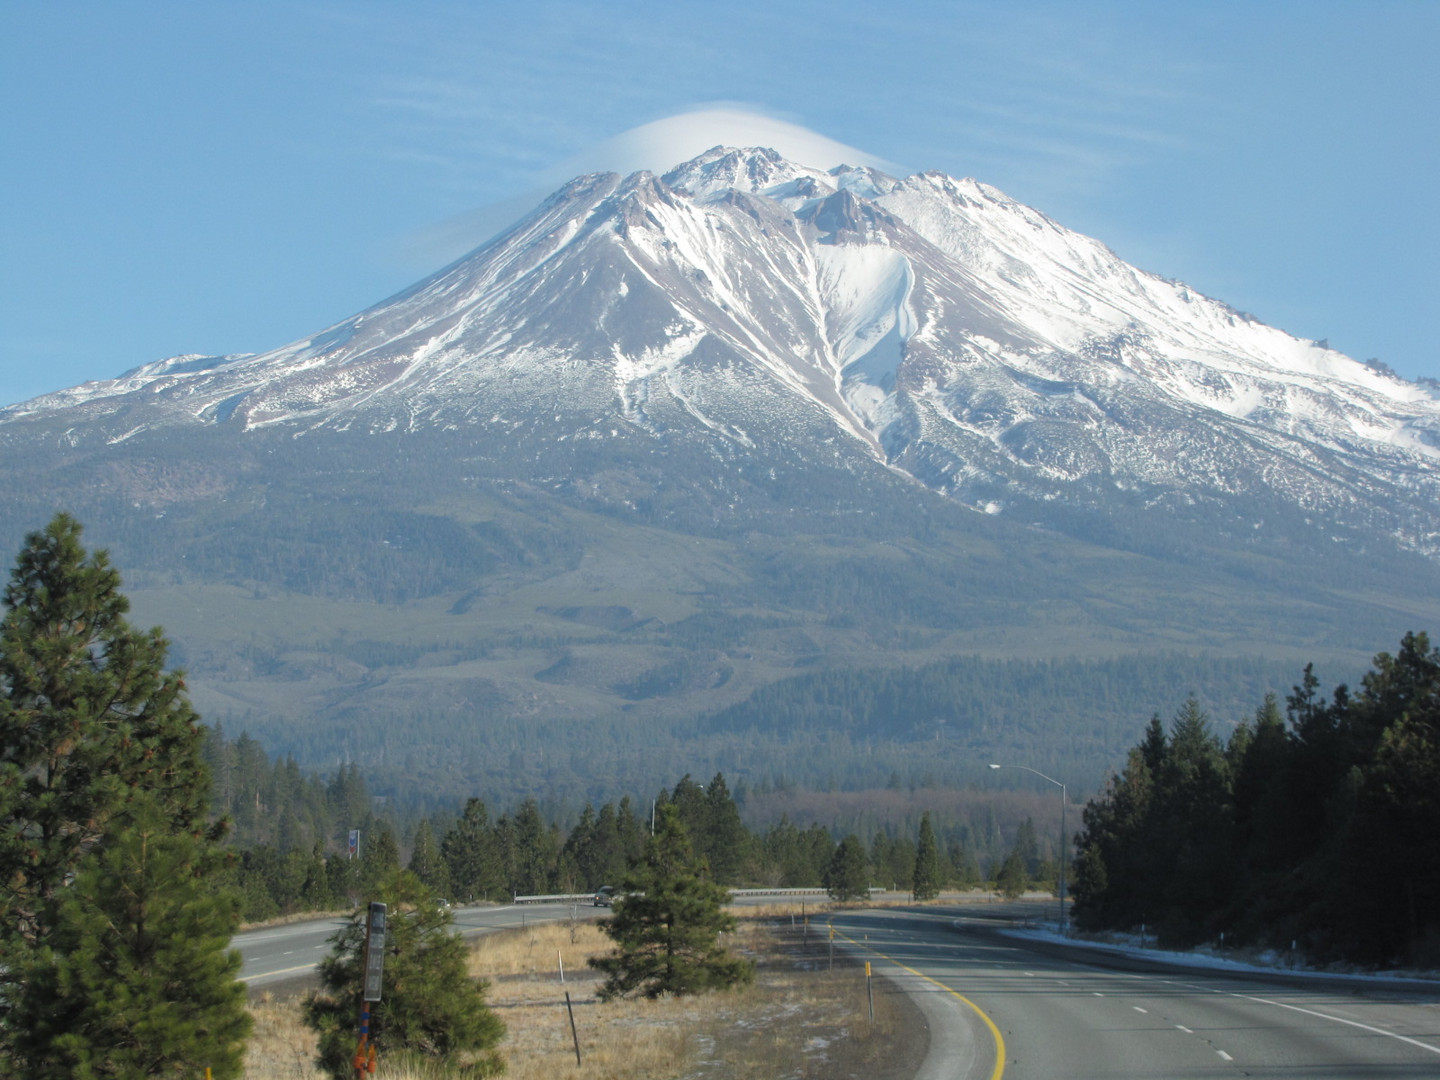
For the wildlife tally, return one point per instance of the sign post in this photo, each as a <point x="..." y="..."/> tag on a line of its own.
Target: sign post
<point x="370" y="988"/>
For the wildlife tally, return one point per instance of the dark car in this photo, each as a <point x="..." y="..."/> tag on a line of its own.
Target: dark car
<point x="605" y="896"/>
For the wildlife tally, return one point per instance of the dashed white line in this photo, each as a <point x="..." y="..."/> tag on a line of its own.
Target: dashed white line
<point x="1224" y="1055"/>
<point x="1182" y="1027"/>
<point x="1137" y="1008"/>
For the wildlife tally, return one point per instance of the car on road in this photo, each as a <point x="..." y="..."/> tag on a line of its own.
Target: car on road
<point x="605" y="896"/>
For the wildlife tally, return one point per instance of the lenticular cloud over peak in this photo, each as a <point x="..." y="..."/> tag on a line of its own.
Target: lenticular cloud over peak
<point x="657" y="147"/>
<point x="663" y="144"/>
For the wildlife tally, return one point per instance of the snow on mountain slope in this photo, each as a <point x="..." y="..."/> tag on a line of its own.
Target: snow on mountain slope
<point x="945" y="329"/>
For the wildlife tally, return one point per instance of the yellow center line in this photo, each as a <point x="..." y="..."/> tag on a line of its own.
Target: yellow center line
<point x="994" y="1031"/>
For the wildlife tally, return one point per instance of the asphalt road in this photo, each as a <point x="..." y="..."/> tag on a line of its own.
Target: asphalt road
<point x="279" y="954"/>
<point x="1002" y="1007"/>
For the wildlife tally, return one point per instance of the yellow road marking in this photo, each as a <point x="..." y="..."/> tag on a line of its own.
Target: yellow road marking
<point x="994" y="1031"/>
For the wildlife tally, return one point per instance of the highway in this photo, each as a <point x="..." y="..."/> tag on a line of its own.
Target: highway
<point x="1054" y="1012"/>
<point x="278" y="954"/>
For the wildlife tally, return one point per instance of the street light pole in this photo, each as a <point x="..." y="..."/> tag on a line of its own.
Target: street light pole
<point x="1064" y="798"/>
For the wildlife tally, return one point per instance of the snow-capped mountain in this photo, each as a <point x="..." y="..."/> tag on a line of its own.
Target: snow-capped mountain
<point x="930" y="324"/>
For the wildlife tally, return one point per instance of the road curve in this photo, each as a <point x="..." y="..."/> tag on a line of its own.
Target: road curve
<point x="1054" y="1012"/>
<point x="277" y="954"/>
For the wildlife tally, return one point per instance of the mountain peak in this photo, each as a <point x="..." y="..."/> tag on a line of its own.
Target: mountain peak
<point x="754" y="170"/>
<point x="946" y="330"/>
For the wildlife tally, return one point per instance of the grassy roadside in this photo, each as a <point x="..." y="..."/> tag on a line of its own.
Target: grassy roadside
<point x="800" y="1018"/>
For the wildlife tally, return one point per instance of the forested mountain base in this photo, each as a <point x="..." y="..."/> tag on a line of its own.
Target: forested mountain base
<point x="832" y="729"/>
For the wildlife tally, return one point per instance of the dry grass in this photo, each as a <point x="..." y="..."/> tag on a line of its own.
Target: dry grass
<point x="281" y="1047"/>
<point x="798" y="1020"/>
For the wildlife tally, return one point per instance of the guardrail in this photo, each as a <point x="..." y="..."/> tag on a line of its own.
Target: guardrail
<point x="589" y="897"/>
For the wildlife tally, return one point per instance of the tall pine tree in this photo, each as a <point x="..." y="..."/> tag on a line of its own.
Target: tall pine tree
<point x="135" y="976"/>
<point x="667" y="925"/>
<point x="89" y="718"/>
<point x="104" y="795"/>
<point x="844" y="876"/>
<point x="928" y="872"/>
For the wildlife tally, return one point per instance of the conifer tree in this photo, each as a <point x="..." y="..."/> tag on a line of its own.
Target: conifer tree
<point x="726" y="840"/>
<point x="426" y="863"/>
<point x="667" y="924"/>
<point x="91" y="727"/>
<point x="1011" y="879"/>
<point x="431" y="1012"/>
<point x="472" y="856"/>
<point x="844" y="877"/>
<point x="135" y="976"/>
<point x="928" y="871"/>
<point x="89" y="719"/>
<point x="380" y="858"/>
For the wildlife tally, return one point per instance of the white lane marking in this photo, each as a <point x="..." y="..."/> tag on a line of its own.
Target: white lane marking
<point x="1339" y="1020"/>
<point x="282" y="971"/>
<point x="1224" y="1055"/>
<point x="288" y="952"/>
<point x="1097" y="993"/>
<point x="1183" y="1028"/>
<point x="1137" y="1008"/>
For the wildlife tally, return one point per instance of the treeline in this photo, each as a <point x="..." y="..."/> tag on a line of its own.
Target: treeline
<point x="290" y="842"/>
<point x="519" y="854"/>
<point x="1317" y="827"/>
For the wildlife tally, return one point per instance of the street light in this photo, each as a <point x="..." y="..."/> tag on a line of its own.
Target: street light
<point x="1061" y="853"/>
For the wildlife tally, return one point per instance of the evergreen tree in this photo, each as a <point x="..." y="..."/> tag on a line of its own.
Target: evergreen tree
<point x="529" y="850"/>
<point x="318" y="893"/>
<point x="928" y="873"/>
<point x="844" y="877"/>
<point x="89" y="721"/>
<point x="610" y="856"/>
<point x="631" y="831"/>
<point x="1027" y="847"/>
<point x="667" y="924"/>
<point x="136" y="976"/>
<point x="91" y="727"/>
<point x="1011" y="879"/>
<point x="726" y="840"/>
<point x="426" y="863"/>
<point x="472" y="856"/>
<point x="1381" y="868"/>
<point x="349" y="801"/>
<point x="431" y="1011"/>
<point x="689" y="799"/>
<point x="1192" y="843"/>
<point x="379" y="858"/>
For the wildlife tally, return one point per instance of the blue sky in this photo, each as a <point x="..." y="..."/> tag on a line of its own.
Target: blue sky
<point x="227" y="177"/>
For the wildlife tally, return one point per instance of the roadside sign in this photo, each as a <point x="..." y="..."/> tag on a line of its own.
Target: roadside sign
<point x="374" y="950"/>
<point x="354" y="843"/>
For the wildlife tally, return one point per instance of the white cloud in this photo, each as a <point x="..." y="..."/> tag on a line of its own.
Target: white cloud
<point x="659" y="145"/>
